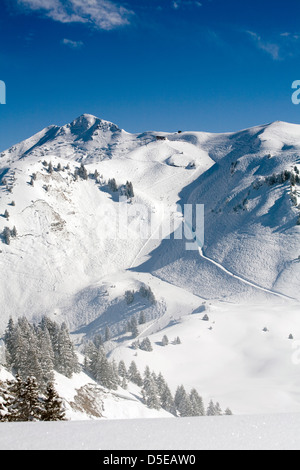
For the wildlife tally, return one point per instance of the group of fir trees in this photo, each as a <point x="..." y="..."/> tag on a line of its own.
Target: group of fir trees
<point x="33" y="352"/>
<point x="38" y="350"/>
<point x="22" y="400"/>
<point x="8" y="233"/>
<point x="132" y="324"/>
<point x="79" y="172"/>
<point x="284" y="176"/>
<point x="144" y="291"/>
<point x="99" y="367"/>
<point x="144" y="345"/>
<point x="126" y="190"/>
<point x="156" y="394"/>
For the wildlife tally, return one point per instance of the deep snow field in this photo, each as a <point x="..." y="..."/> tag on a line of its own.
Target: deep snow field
<point x="271" y="432"/>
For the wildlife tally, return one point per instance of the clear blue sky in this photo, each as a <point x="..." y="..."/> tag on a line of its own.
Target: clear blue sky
<point x="211" y="65"/>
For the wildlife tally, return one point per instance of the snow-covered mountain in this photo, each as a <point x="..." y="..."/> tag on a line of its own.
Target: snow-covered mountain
<point x="75" y="256"/>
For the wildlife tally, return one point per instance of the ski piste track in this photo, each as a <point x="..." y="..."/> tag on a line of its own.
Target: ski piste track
<point x="235" y="276"/>
<point x="245" y="281"/>
<point x="218" y="265"/>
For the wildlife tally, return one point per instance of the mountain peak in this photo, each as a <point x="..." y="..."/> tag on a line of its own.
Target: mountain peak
<point x="88" y="124"/>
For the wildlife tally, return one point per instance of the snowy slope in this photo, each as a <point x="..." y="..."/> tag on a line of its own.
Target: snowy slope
<point x="84" y="399"/>
<point x="272" y="432"/>
<point x="67" y="261"/>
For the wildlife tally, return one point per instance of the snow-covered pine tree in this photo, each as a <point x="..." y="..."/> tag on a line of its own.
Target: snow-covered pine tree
<point x="30" y="405"/>
<point x="25" y="403"/>
<point x="218" y="409"/>
<point x="124" y="383"/>
<point x="82" y="172"/>
<point x="179" y="394"/>
<point x="115" y="375"/>
<point x="196" y="403"/>
<point x="24" y="350"/>
<point x="9" y="342"/>
<point x="107" y="333"/>
<point x="146" y="345"/>
<point x="98" y="340"/>
<point x="129" y="193"/>
<point x="146" y="292"/>
<point x="129" y="297"/>
<point x="177" y="340"/>
<point x="160" y="382"/>
<point x="167" y="400"/>
<point x="6" y="234"/>
<point x="33" y="365"/>
<point x="14" y="232"/>
<point x="135" y="344"/>
<point x="104" y="372"/>
<point x="134" y="375"/>
<point x="46" y="355"/>
<point x="90" y="353"/>
<point x="53" y="409"/>
<point x="54" y="332"/>
<point x="94" y="360"/>
<point x="67" y="357"/>
<point x="165" y="395"/>
<point x="113" y="185"/>
<point x="211" y="410"/>
<point x="150" y="391"/>
<point x="108" y="377"/>
<point x="15" y="391"/>
<point x="122" y="371"/>
<point x="142" y="318"/>
<point x="165" y="341"/>
<point x="4" y="397"/>
<point x="182" y="402"/>
<point x="133" y="327"/>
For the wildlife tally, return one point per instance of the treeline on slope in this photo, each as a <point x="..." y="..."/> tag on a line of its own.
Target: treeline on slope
<point x="154" y="389"/>
<point x="33" y="352"/>
<point x="38" y="350"/>
<point x="82" y="173"/>
<point x="22" y="400"/>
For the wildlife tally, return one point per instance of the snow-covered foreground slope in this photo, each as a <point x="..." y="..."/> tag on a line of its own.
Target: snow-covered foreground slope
<point x="75" y="254"/>
<point x="230" y="358"/>
<point x="272" y="432"/>
<point x="84" y="399"/>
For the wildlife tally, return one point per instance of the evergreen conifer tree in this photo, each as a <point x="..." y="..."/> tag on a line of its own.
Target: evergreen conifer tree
<point x="146" y="345"/>
<point x="122" y="371"/>
<point x="142" y="318"/>
<point x="67" y="358"/>
<point x="211" y="410"/>
<point x="107" y="333"/>
<point x="150" y="391"/>
<point x="196" y="403"/>
<point x="53" y="409"/>
<point x="134" y="327"/>
<point x="134" y="375"/>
